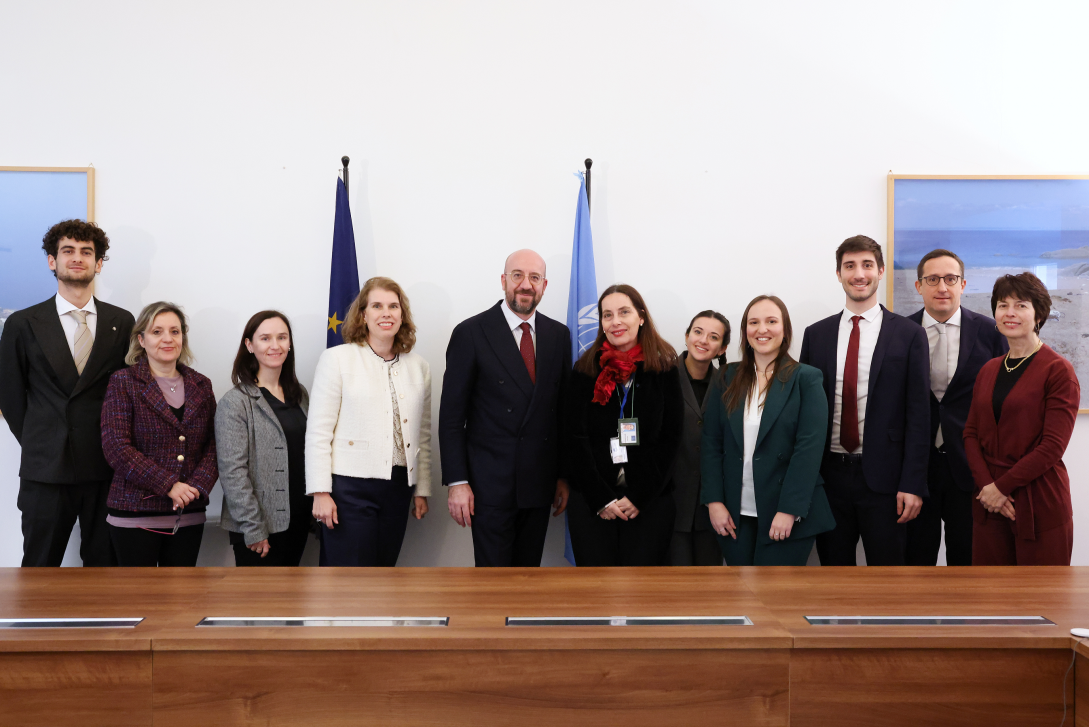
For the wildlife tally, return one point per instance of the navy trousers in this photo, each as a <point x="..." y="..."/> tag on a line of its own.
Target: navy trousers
<point x="372" y="515"/>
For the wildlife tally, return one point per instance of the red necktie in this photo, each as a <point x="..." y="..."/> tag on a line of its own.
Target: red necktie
<point x="848" y="424"/>
<point x="526" y="349"/>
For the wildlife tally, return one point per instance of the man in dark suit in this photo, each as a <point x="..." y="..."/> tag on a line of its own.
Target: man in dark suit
<point x="506" y="370"/>
<point x="56" y="358"/>
<point x="876" y="375"/>
<point x="960" y="342"/>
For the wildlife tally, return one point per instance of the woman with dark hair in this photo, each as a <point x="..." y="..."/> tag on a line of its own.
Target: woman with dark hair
<point x="706" y="339"/>
<point x="1023" y="409"/>
<point x="624" y="422"/>
<point x="763" y="440"/>
<point x="368" y="443"/>
<point x="158" y="436"/>
<point x="260" y="438"/>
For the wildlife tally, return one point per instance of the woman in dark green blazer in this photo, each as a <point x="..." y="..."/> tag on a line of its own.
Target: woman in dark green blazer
<point x="763" y="439"/>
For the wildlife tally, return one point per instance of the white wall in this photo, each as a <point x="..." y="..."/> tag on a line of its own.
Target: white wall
<point x="735" y="145"/>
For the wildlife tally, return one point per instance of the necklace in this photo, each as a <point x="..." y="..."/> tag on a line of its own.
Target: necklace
<point x="1005" y="361"/>
<point x="173" y="388"/>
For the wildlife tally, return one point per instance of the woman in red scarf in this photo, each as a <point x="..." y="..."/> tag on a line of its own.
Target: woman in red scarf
<point x="624" y="411"/>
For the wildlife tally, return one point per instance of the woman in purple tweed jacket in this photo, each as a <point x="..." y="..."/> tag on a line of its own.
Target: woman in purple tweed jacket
<point x="158" y="434"/>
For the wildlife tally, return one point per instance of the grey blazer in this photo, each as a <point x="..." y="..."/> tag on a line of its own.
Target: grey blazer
<point x="252" y="452"/>
<point x="691" y="515"/>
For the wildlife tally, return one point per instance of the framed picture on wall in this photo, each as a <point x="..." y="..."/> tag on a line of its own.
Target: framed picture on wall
<point x="33" y="199"/>
<point x="998" y="225"/>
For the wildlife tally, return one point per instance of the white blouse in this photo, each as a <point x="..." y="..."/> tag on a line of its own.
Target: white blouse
<point x="754" y="410"/>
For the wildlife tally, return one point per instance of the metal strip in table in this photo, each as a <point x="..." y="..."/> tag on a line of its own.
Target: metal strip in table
<point x="628" y="621"/>
<point x="929" y="621"/>
<point x="282" y="621"/>
<point x="69" y="623"/>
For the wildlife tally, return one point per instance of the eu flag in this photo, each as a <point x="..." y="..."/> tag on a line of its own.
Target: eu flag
<point x="344" y="273"/>
<point x="581" y="302"/>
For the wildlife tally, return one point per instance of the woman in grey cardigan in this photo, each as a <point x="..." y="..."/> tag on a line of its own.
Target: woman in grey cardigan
<point x="260" y="436"/>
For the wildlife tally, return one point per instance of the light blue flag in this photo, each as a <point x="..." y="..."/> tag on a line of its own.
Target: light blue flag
<point x="581" y="302"/>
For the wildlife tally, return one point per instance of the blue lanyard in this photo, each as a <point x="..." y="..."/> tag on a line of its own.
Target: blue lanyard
<point x="624" y="397"/>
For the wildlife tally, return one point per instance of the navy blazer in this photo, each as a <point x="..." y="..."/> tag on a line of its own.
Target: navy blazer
<point x="497" y="430"/>
<point x="53" y="410"/>
<point x="980" y="341"/>
<point x="896" y="440"/>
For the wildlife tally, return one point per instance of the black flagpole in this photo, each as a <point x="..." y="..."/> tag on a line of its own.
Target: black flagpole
<point x="589" y="163"/>
<point x="344" y="161"/>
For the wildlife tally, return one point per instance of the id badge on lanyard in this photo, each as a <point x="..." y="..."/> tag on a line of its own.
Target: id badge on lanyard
<point x="627" y="430"/>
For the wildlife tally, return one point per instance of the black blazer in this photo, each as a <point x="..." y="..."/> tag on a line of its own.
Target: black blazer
<point x="896" y="441"/>
<point x="980" y="341"/>
<point x="691" y="515"/>
<point x="52" y="410"/>
<point x="656" y="401"/>
<point x="497" y="430"/>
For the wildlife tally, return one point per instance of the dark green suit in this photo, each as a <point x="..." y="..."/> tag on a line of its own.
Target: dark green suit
<point x="786" y="463"/>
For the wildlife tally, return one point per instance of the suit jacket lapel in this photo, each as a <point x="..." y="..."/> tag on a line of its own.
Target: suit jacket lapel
<point x="105" y="339"/>
<point x="50" y="336"/>
<point x="969" y="327"/>
<point x="686" y="387"/>
<point x="778" y="393"/>
<point x="883" y="339"/>
<point x="502" y="342"/>
<point x="153" y="395"/>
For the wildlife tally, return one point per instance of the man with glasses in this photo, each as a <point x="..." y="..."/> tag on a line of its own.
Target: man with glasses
<point x="960" y="343"/>
<point x="506" y="373"/>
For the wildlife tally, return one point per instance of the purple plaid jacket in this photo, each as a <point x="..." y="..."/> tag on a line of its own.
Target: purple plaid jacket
<point x="148" y="448"/>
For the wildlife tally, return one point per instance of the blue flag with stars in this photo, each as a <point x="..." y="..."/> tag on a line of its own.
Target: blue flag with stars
<point x="344" y="273"/>
<point x="581" y="303"/>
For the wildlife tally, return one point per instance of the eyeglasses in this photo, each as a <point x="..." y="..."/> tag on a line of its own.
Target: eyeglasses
<point x="517" y="276"/>
<point x="950" y="280"/>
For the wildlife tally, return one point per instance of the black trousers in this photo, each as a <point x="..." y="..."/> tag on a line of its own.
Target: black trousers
<point x="859" y="512"/>
<point x="505" y="537"/>
<point x="372" y="515"/>
<point x="946" y="502"/>
<point x="50" y="511"/>
<point x="699" y="547"/>
<point x="285" y="548"/>
<point x="747" y="550"/>
<point x="643" y="540"/>
<point x="139" y="548"/>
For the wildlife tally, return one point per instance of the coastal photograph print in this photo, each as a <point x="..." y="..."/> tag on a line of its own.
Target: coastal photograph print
<point x="999" y="225"/>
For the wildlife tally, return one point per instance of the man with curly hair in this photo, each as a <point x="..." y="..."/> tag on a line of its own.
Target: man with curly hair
<point x="56" y="359"/>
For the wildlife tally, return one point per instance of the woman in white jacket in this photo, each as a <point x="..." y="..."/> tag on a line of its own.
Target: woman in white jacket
<point x="368" y="437"/>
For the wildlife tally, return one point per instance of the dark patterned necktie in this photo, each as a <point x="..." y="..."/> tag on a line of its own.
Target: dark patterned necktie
<point x="848" y="425"/>
<point x="526" y="349"/>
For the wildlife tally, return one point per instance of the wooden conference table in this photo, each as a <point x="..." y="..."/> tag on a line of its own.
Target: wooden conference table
<point x="477" y="670"/>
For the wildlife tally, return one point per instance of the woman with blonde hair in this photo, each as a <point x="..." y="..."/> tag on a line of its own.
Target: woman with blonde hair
<point x="368" y="436"/>
<point x="158" y="435"/>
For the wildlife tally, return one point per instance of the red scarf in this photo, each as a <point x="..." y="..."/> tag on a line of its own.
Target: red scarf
<point x="616" y="366"/>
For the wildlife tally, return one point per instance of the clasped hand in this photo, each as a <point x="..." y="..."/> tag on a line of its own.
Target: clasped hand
<point x="182" y="494"/>
<point x="622" y="509"/>
<point x="993" y="500"/>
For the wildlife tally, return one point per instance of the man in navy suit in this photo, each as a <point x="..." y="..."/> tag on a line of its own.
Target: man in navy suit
<point x="960" y="343"/>
<point x="506" y="371"/>
<point x="876" y="375"/>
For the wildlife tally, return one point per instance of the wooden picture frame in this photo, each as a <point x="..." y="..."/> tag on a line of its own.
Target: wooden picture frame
<point x="997" y="224"/>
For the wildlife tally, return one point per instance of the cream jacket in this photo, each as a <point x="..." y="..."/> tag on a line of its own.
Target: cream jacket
<point x="349" y="429"/>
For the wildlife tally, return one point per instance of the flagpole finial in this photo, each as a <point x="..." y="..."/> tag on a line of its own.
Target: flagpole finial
<point x="589" y="163"/>
<point x="344" y="161"/>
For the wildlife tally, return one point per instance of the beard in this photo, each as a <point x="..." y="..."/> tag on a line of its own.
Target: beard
<point x="512" y="302"/>
<point x="75" y="279"/>
<point x="861" y="295"/>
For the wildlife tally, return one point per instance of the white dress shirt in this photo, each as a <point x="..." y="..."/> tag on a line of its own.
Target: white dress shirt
<point x="952" y="341"/>
<point x="515" y="325"/>
<point x="754" y="411"/>
<point x="869" y="328"/>
<point x="70" y="324"/>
